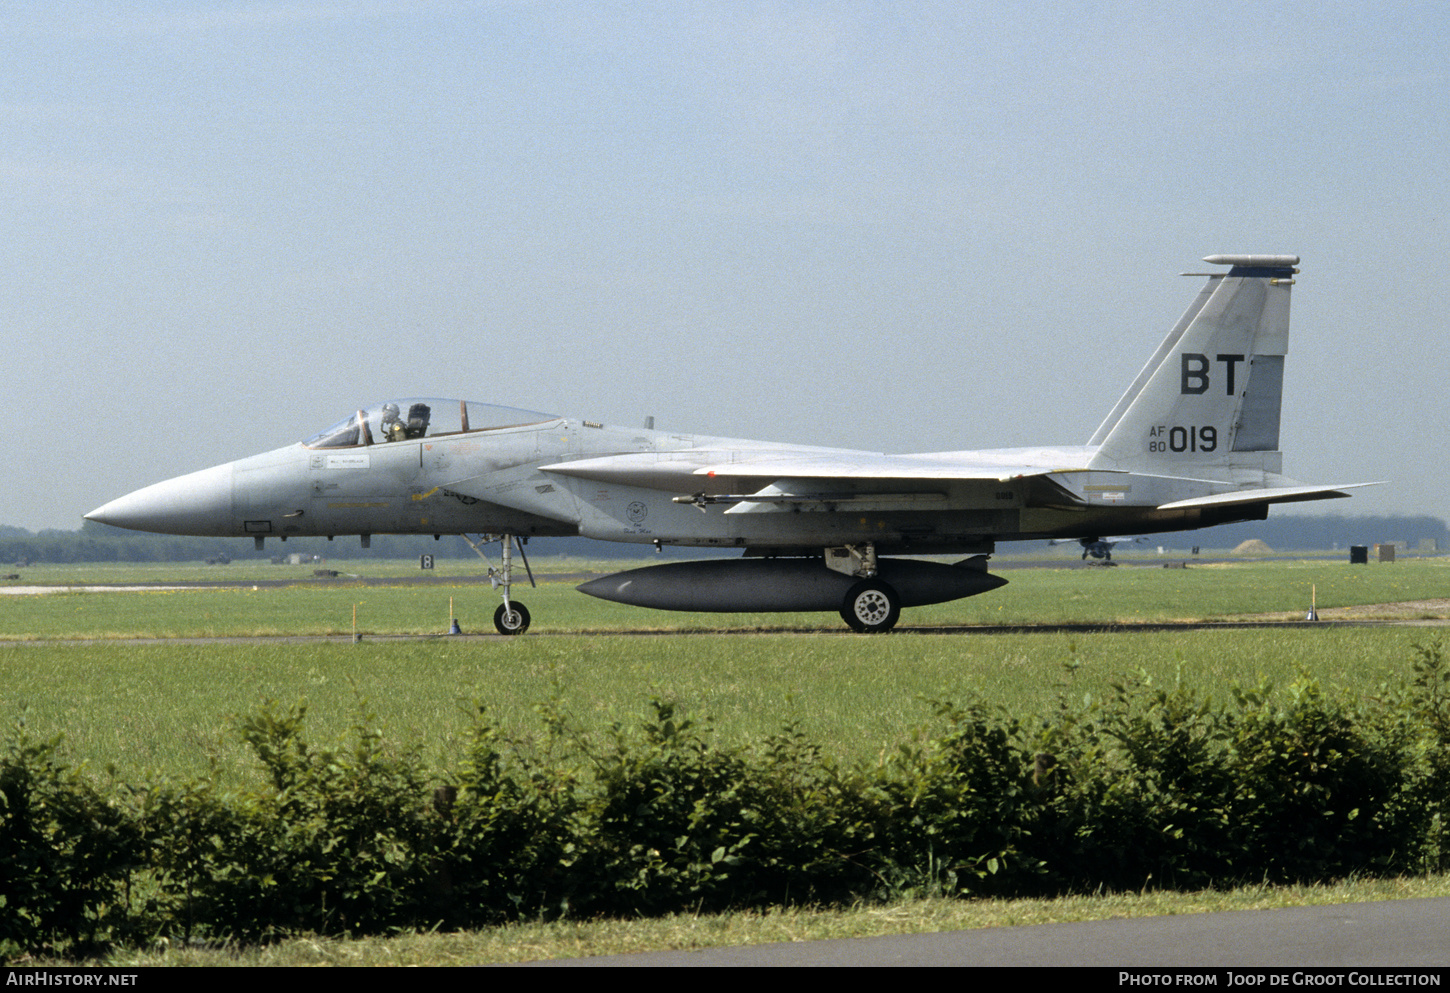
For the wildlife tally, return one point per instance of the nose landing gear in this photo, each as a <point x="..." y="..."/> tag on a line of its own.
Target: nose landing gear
<point x="511" y="617"/>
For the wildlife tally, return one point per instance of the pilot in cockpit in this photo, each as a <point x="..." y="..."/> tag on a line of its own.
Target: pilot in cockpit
<point x="393" y="427"/>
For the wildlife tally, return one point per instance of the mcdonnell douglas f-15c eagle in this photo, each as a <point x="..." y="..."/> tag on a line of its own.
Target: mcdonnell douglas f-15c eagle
<point x="1193" y="442"/>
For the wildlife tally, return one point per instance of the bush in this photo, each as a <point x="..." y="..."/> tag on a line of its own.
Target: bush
<point x="1137" y="790"/>
<point x="679" y="822"/>
<point x="342" y="841"/>
<point x="1148" y="786"/>
<point x="1312" y="788"/>
<point x="66" y="852"/>
<point x="510" y="833"/>
<point x="954" y="814"/>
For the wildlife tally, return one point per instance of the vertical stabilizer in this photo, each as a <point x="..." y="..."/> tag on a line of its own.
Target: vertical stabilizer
<point x="1208" y="401"/>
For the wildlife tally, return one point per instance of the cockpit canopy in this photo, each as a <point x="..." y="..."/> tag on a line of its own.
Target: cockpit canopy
<point x="420" y="417"/>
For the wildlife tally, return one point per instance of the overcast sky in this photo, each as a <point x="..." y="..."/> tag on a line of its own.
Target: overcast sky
<point x="895" y="226"/>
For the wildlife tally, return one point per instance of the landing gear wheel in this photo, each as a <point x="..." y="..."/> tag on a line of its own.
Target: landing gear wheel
<point x="871" y="607"/>
<point x="511" y="618"/>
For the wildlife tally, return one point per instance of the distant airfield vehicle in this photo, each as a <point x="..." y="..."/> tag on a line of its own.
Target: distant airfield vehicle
<point x="1193" y="442"/>
<point x="1098" y="548"/>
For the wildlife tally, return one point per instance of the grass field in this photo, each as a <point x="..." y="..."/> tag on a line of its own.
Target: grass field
<point x="167" y="707"/>
<point x="74" y="663"/>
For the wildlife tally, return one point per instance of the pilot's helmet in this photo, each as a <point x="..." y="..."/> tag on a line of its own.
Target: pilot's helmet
<point x="390" y="412"/>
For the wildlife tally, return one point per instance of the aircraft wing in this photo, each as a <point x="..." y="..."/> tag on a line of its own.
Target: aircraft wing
<point x="867" y="466"/>
<point x="781" y="480"/>
<point x="679" y="470"/>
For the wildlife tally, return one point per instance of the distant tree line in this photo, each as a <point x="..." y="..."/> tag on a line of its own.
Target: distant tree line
<point x="102" y="543"/>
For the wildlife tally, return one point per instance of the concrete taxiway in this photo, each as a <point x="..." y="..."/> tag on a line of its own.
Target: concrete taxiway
<point x="1409" y="934"/>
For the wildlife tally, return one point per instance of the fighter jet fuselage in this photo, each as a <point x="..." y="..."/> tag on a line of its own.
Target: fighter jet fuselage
<point x="519" y="480"/>
<point x="1193" y="442"/>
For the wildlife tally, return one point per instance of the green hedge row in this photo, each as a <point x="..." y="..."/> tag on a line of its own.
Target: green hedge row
<point x="1149" y="786"/>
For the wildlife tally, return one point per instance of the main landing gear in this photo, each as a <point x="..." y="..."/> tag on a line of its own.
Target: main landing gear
<point x="871" y="606"/>
<point x="511" y="617"/>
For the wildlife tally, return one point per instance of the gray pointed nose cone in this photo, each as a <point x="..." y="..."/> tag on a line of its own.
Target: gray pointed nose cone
<point x="198" y="503"/>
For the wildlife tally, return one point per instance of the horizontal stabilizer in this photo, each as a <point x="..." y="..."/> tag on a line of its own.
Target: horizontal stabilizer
<point x="1278" y="494"/>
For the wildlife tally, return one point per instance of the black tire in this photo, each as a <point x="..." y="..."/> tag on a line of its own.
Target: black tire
<point x="515" y="621"/>
<point x="871" y="607"/>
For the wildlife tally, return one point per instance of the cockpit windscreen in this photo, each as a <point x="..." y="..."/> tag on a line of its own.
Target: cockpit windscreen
<point x="420" y="417"/>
